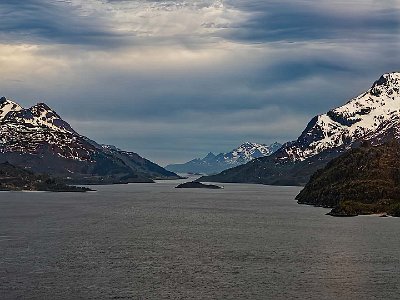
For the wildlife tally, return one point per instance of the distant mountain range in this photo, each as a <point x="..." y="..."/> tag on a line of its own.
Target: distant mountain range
<point x="373" y="116"/>
<point x="212" y="163"/>
<point x="38" y="139"/>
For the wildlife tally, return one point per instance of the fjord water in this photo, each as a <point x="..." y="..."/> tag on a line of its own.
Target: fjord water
<point x="151" y="241"/>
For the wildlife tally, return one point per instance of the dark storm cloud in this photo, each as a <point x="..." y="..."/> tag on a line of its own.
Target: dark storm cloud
<point x="42" y="21"/>
<point x="309" y="20"/>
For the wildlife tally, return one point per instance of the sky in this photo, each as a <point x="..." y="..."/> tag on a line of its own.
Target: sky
<point x="174" y="79"/>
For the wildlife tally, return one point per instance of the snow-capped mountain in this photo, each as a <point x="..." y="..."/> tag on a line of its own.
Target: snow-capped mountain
<point x="373" y="116"/>
<point x="37" y="138"/>
<point x="249" y="151"/>
<point x="212" y="163"/>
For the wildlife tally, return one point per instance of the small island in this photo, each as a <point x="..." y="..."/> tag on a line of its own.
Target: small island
<point x="13" y="178"/>
<point x="198" y="185"/>
<point x="362" y="181"/>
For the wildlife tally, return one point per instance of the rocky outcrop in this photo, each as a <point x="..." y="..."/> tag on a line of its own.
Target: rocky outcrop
<point x="198" y="185"/>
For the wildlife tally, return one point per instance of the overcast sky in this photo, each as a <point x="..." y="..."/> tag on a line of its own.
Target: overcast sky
<point x="173" y="80"/>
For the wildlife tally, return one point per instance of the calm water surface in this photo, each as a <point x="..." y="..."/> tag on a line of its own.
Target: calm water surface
<point x="151" y="241"/>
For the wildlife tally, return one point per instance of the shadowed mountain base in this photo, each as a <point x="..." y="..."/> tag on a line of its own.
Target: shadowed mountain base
<point x="13" y="178"/>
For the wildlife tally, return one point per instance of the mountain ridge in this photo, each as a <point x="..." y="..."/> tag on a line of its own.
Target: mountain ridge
<point x="38" y="139"/>
<point x="374" y="115"/>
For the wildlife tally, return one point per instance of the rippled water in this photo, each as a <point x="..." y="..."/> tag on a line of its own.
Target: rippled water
<point x="151" y="241"/>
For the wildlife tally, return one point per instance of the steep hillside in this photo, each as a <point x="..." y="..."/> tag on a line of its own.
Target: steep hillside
<point x="361" y="181"/>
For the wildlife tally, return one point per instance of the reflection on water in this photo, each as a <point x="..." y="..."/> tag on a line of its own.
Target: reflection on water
<point x="151" y="241"/>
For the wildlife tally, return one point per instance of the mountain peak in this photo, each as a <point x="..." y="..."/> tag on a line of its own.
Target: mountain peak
<point x="388" y="78"/>
<point x="41" y="106"/>
<point x="7" y="106"/>
<point x="388" y="84"/>
<point x="248" y="144"/>
<point x="33" y="118"/>
<point x="210" y="155"/>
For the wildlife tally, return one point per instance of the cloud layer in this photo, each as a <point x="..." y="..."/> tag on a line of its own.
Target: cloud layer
<point x="176" y="79"/>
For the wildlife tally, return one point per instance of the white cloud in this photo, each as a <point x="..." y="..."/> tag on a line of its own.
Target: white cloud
<point x="160" y="19"/>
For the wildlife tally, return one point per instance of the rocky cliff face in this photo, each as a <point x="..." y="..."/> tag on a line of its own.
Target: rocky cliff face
<point x="37" y="138"/>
